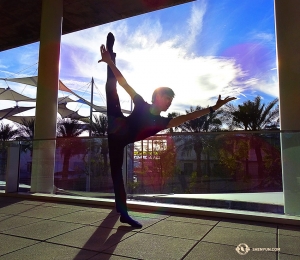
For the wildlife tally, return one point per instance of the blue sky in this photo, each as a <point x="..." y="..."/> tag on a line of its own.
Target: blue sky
<point x="200" y="49"/>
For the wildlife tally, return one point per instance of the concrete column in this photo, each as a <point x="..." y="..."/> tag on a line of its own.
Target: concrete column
<point x="287" y="21"/>
<point x="43" y="159"/>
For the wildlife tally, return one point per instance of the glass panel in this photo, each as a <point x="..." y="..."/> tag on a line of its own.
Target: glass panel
<point x="25" y="165"/>
<point x="198" y="169"/>
<point x="233" y="170"/>
<point x="3" y="163"/>
<point x="9" y="169"/>
<point x="82" y="167"/>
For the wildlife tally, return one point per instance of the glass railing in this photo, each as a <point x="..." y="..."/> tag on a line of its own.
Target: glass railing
<point x="81" y="166"/>
<point x="9" y="165"/>
<point x="224" y="169"/>
<point x="3" y="164"/>
<point x="234" y="170"/>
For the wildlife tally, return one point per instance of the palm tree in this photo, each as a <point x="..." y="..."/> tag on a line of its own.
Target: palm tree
<point x="67" y="130"/>
<point x="193" y="142"/>
<point x="26" y="129"/>
<point x="212" y="123"/>
<point x="173" y="115"/>
<point x="255" y="116"/>
<point x="233" y="151"/>
<point x="197" y="142"/>
<point x="26" y="132"/>
<point x="68" y="127"/>
<point x="7" y="132"/>
<point x="99" y="128"/>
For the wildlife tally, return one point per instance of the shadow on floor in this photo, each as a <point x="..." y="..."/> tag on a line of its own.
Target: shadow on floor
<point x="106" y="236"/>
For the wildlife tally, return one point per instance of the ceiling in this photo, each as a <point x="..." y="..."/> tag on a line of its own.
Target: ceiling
<point x="20" y="19"/>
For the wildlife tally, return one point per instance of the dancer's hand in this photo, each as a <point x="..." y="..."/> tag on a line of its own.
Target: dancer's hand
<point x="221" y="102"/>
<point x="105" y="54"/>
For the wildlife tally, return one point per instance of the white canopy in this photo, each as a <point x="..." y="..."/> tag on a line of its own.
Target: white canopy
<point x="4" y="113"/>
<point x="65" y="112"/>
<point x="32" y="81"/>
<point x="63" y="100"/>
<point x="9" y="94"/>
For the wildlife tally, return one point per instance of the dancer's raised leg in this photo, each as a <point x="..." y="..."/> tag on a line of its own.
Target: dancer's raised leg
<point x="115" y="143"/>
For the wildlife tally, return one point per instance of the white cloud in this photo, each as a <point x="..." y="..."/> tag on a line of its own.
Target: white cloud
<point x="148" y="63"/>
<point x="149" y="60"/>
<point x="19" y="62"/>
<point x="263" y="37"/>
<point x="195" y="22"/>
<point x="270" y="87"/>
<point x="7" y="74"/>
<point x="268" y="37"/>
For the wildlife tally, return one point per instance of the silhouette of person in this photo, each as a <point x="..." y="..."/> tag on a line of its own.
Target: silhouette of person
<point x="143" y="122"/>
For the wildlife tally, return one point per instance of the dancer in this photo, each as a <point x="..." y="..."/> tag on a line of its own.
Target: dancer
<point x="143" y="122"/>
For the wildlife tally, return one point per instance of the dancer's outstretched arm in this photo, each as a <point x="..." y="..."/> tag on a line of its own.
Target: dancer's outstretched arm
<point x="190" y="116"/>
<point x="120" y="78"/>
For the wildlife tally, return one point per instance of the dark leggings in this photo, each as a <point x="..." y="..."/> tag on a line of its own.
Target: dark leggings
<point x="116" y="143"/>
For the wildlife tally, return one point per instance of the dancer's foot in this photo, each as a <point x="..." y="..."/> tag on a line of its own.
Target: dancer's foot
<point x="128" y="220"/>
<point x="110" y="40"/>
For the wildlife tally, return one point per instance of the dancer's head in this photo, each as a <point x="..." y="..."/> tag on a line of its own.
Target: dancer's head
<point x="162" y="97"/>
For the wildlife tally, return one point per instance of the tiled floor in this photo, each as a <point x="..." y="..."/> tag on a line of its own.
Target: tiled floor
<point x="42" y="230"/>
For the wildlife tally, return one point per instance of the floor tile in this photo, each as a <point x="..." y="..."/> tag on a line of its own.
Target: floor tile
<point x="47" y="251"/>
<point x="43" y="229"/>
<point x="194" y="219"/>
<point x="289" y="244"/>
<point x="287" y="257"/>
<point x="16" y="221"/>
<point x="82" y="217"/>
<point x="47" y="230"/>
<point x="93" y="238"/>
<point x="100" y="210"/>
<point x="74" y="207"/>
<point x="248" y="225"/>
<point x="32" y="202"/>
<point x="211" y="251"/>
<point x="4" y="216"/>
<point x="289" y="230"/>
<point x="10" y="243"/>
<point x="178" y="229"/>
<point x="135" y="214"/>
<point x="147" y="246"/>
<point x="102" y="256"/>
<point x="16" y="208"/>
<point x="231" y="236"/>
<point x="46" y="212"/>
